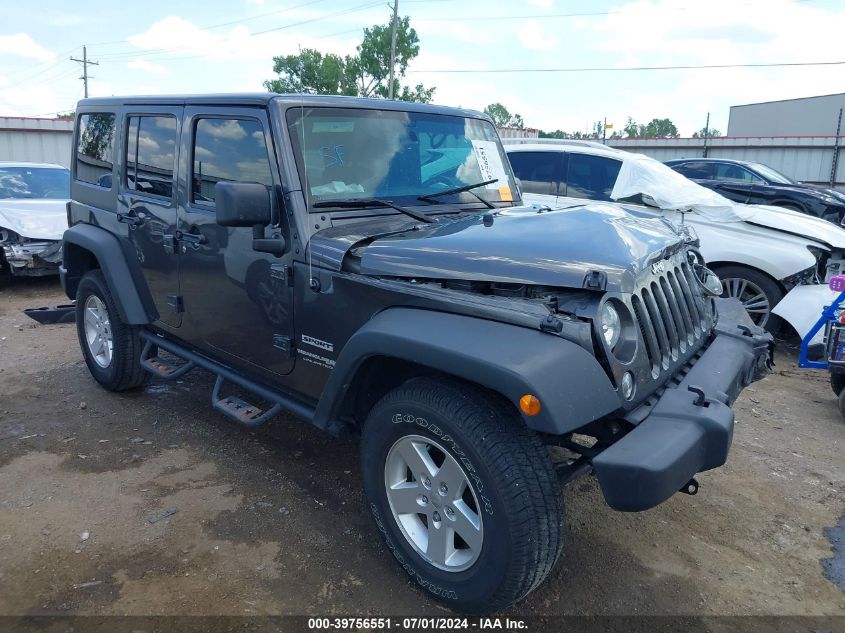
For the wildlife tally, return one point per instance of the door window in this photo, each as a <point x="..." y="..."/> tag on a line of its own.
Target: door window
<point x="151" y="155"/>
<point x="696" y="170"/>
<point x="228" y="149"/>
<point x="94" y="148"/>
<point x="735" y="173"/>
<point x="591" y="177"/>
<point x="536" y="170"/>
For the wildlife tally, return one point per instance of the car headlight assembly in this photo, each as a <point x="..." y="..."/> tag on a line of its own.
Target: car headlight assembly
<point x="610" y="325"/>
<point x="708" y="280"/>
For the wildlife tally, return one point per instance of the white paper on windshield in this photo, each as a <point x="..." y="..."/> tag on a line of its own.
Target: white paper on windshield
<point x="491" y="166"/>
<point x="802" y="307"/>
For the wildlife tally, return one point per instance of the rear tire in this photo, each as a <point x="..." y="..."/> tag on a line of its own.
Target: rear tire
<point x="842" y="404"/>
<point x="837" y="383"/>
<point x="503" y="534"/>
<point x="112" y="348"/>
<point x="747" y="284"/>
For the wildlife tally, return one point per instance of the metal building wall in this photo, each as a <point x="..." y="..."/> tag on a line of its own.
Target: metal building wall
<point x="805" y="158"/>
<point x="36" y="140"/>
<point x="811" y="116"/>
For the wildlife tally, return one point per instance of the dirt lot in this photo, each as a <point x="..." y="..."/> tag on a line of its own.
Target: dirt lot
<point x="273" y="521"/>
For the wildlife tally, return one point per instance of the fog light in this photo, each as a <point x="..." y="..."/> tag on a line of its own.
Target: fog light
<point x="628" y="385"/>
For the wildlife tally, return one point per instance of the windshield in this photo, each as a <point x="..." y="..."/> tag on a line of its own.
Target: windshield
<point x="34" y="182"/>
<point x="348" y="153"/>
<point x="772" y="175"/>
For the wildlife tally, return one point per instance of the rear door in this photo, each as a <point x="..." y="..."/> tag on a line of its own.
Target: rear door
<point x="237" y="301"/>
<point x="146" y="201"/>
<point x="735" y="182"/>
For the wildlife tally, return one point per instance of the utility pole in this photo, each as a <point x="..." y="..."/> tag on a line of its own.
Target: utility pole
<point x="393" y="48"/>
<point x="706" y="134"/>
<point x="85" y="63"/>
<point x="604" y="132"/>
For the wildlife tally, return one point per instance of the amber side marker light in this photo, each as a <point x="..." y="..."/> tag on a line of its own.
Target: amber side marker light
<point x="529" y="404"/>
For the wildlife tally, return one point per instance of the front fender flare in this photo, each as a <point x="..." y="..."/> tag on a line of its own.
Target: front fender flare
<point x="508" y="359"/>
<point x="125" y="281"/>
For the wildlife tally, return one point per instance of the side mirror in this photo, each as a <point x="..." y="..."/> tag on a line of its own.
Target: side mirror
<point x="242" y="204"/>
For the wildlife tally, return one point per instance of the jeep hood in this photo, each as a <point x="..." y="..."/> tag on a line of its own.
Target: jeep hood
<point x="669" y="190"/>
<point x="40" y="219"/>
<point x="524" y="245"/>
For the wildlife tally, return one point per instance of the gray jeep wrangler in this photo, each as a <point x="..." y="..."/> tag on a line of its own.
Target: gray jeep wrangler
<point x="368" y="266"/>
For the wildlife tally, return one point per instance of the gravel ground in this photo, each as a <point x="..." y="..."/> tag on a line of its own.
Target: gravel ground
<point x="154" y="504"/>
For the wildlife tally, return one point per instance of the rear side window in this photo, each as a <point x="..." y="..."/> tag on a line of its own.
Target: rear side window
<point x="228" y="149"/>
<point x="536" y="170"/>
<point x="695" y="170"/>
<point x="735" y="173"/>
<point x="151" y="154"/>
<point x="591" y="177"/>
<point x="95" y="148"/>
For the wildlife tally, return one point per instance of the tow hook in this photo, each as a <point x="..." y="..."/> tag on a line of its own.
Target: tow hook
<point x="701" y="399"/>
<point x="691" y="487"/>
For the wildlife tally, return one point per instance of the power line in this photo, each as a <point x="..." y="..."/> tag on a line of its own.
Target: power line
<point x="156" y="51"/>
<point x="622" y="69"/>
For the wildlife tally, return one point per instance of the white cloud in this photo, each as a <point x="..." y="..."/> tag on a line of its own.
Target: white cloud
<point x="663" y="32"/>
<point x="22" y="45"/>
<point x="531" y="36"/>
<point x="142" y="64"/>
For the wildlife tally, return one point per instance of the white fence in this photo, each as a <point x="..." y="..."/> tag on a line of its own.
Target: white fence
<point x="36" y="140"/>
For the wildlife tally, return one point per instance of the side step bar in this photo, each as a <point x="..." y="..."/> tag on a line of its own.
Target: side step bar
<point x="240" y="411"/>
<point x="160" y="367"/>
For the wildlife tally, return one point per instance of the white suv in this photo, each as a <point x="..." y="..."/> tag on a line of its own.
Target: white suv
<point x="761" y="253"/>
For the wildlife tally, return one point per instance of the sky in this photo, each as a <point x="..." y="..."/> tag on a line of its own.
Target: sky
<point x="161" y="47"/>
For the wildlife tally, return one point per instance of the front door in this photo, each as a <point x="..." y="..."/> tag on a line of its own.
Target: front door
<point x="146" y="201"/>
<point x="237" y="302"/>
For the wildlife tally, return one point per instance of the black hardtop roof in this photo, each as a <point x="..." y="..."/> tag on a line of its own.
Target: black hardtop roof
<point x="262" y="99"/>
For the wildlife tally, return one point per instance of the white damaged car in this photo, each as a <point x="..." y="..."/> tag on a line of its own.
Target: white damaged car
<point x="761" y="253"/>
<point x="33" y="218"/>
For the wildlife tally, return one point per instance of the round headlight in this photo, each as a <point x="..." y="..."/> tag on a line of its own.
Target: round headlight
<point x="611" y="325"/>
<point x="712" y="284"/>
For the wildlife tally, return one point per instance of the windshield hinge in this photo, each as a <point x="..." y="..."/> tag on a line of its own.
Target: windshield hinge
<point x="595" y="280"/>
<point x="283" y="273"/>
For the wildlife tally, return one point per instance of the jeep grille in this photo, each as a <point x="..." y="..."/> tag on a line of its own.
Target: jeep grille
<point x="673" y="316"/>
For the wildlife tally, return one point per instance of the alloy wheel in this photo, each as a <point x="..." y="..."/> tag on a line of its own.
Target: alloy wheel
<point x="98" y="334"/>
<point x="752" y="297"/>
<point x="434" y="503"/>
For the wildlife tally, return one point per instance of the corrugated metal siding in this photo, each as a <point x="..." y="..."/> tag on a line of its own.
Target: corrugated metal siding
<point x="810" y="116"/>
<point x="806" y="158"/>
<point x="36" y="140"/>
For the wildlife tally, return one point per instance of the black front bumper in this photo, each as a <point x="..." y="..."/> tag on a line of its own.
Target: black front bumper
<point x="690" y="427"/>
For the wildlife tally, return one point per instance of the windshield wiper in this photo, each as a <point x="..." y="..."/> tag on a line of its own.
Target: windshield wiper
<point x="366" y="203"/>
<point x="430" y="197"/>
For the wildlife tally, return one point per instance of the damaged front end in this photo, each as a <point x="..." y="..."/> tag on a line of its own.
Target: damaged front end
<point x="25" y="257"/>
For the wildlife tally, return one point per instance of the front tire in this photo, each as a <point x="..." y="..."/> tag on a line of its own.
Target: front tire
<point x="112" y="348"/>
<point x="463" y="493"/>
<point x="758" y="293"/>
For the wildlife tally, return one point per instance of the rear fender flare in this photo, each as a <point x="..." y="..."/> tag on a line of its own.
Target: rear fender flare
<point x="119" y="265"/>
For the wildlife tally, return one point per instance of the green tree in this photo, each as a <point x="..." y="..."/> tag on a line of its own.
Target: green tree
<point x="365" y="74"/>
<point x="312" y="72"/>
<point x="66" y="116"/>
<point x="656" y="128"/>
<point x="502" y="117"/>
<point x="708" y="132"/>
